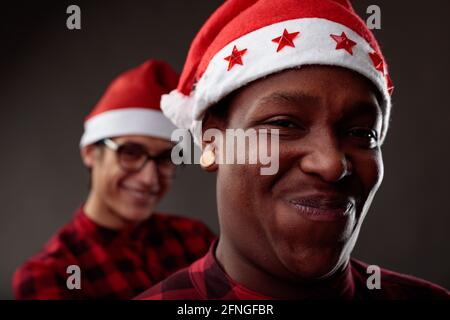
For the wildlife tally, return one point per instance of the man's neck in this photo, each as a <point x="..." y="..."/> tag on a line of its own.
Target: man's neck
<point x="250" y="275"/>
<point x="99" y="213"/>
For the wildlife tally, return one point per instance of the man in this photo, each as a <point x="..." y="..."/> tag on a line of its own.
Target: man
<point x="120" y="245"/>
<point x="312" y="74"/>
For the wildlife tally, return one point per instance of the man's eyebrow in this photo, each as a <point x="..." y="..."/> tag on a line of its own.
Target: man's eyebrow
<point x="294" y="98"/>
<point x="362" y="108"/>
<point x="147" y="147"/>
<point x="290" y="97"/>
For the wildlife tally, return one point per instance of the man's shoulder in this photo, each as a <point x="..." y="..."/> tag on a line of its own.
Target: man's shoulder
<point x="61" y="250"/>
<point x="65" y="240"/>
<point x="178" y="286"/>
<point x="181" y="224"/>
<point x="176" y="219"/>
<point x="46" y="270"/>
<point x="395" y="285"/>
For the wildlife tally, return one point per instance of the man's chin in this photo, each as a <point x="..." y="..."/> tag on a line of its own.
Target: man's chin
<point x="136" y="215"/>
<point x="310" y="266"/>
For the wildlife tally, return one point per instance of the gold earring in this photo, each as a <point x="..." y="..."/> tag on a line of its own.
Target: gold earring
<point x="208" y="158"/>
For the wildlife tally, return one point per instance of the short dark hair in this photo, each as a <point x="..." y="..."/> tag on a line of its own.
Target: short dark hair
<point x="220" y="110"/>
<point x="96" y="144"/>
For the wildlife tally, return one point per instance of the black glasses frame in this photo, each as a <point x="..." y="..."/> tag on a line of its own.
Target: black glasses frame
<point x="114" y="146"/>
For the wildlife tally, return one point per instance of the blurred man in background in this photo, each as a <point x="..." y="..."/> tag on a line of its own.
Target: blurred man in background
<point x="116" y="241"/>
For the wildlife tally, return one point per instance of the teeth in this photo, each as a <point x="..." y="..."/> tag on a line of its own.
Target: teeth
<point x="136" y="192"/>
<point x="345" y="207"/>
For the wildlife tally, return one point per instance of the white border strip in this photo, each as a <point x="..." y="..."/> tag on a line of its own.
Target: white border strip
<point x="129" y="121"/>
<point x="313" y="46"/>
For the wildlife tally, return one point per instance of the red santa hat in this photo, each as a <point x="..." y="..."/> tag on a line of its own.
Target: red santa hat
<point x="131" y="105"/>
<point x="245" y="40"/>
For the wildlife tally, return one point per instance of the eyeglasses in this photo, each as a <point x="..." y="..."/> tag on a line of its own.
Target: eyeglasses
<point x="133" y="157"/>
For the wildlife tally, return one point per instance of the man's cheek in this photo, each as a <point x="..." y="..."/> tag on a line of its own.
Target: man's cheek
<point x="368" y="169"/>
<point x="372" y="177"/>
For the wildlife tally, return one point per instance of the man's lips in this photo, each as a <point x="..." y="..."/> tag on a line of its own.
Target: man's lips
<point x="322" y="207"/>
<point x="140" y="193"/>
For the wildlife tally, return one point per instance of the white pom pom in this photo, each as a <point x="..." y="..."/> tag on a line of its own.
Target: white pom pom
<point x="178" y="108"/>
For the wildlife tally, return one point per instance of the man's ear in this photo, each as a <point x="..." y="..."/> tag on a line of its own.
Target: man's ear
<point x="211" y="139"/>
<point x="209" y="158"/>
<point x="213" y="124"/>
<point x="88" y="155"/>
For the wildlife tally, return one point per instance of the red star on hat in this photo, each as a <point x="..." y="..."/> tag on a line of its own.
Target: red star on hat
<point x="286" y="39"/>
<point x="343" y="42"/>
<point x="235" y="57"/>
<point x="390" y="86"/>
<point x="377" y="61"/>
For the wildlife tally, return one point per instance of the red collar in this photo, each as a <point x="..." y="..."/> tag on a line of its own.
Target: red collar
<point x="88" y="227"/>
<point x="212" y="282"/>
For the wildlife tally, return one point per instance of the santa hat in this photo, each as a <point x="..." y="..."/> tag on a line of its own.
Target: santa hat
<point x="245" y="40"/>
<point x="131" y="105"/>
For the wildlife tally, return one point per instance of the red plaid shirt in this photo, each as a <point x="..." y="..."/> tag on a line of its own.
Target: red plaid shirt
<point x="113" y="264"/>
<point x="206" y="280"/>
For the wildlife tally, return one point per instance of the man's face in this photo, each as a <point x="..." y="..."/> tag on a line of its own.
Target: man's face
<point x="303" y="221"/>
<point x="130" y="195"/>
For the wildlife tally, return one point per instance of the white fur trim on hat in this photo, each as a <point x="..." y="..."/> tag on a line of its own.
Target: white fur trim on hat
<point x="128" y="121"/>
<point x="178" y="108"/>
<point x="313" y="46"/>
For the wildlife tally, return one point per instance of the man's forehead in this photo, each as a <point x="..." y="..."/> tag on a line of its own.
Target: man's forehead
<point x="287" y="100"/>
<point x="309" y="86"/>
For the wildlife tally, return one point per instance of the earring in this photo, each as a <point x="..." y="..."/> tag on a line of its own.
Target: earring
<point x="208" y="158"/>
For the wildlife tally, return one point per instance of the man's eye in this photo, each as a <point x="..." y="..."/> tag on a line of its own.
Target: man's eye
<point x="166" y="157"/>
<point x="284" y="123"/>
<point x="364" y="133"/>
<point x="131" y="151"/>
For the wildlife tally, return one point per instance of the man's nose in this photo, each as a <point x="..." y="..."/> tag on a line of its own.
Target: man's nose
<point x="148" y="175"/>
<point x="323" y="157"/>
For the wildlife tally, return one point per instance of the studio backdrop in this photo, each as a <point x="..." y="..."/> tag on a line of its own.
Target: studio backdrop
<point x="51" y="77"/>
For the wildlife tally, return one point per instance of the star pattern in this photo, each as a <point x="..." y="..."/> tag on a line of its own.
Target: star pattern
<point x="286" y="39"/>
<point x="343" y="42"/>
<point x="235" y="57"/>
<point x="377" y="61"/>
<point x="390" y="86"/>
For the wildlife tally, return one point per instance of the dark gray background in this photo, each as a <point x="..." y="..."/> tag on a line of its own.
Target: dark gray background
<point x="51" y="77"/>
